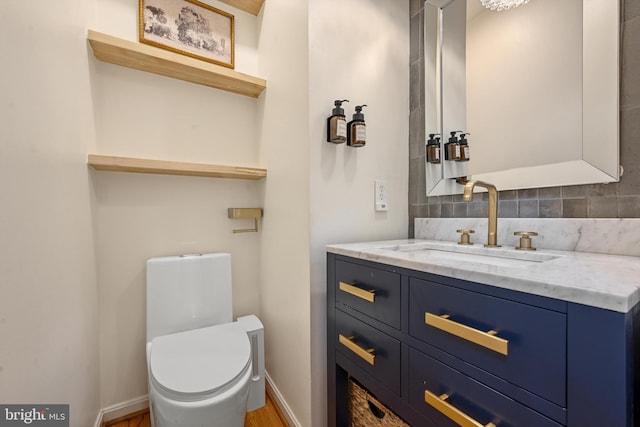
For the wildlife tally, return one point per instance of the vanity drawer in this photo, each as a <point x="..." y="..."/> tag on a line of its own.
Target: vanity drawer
<point x="522" y="344"/>
<point x="354" y="339"/>
<point x="370" y="291"/>
<point x="466" y="400"/>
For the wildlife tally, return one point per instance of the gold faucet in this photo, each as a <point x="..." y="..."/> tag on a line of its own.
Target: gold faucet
<point x="492" y="238"/>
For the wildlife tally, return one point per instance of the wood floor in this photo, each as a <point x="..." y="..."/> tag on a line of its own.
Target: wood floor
<point x="268" y="416"/>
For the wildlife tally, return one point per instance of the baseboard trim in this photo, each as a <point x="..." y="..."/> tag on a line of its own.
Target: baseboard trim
<point x="277" y="398"/>
<point x="121" y="409"/>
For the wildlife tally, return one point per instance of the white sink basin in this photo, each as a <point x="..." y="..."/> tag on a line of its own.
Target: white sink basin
<point x="507" y="255"/>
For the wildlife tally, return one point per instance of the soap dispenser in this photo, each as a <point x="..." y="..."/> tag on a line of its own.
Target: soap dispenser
<point x="357" y="129"/>
<point x="452" y="148"/>
<point x="433" y="148"/>
<point x="464" y="148"/>
<point x="337" y="124"/>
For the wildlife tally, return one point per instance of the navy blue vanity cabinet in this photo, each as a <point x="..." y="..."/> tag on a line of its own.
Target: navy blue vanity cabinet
<point x="442" y="352"/>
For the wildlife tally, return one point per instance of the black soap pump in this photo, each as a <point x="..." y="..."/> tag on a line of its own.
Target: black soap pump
<point x="433" y="148"/>
<point x="464" y="148"/>
<point x="337" y="124"/>
<point x="357" y="129"/>
<point x="452" y="148"/>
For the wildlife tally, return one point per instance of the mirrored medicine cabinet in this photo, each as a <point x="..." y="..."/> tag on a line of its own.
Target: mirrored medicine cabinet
<point x="535" y="87"/>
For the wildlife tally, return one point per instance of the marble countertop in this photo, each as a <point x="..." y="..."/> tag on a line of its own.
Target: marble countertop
<point x="606" y="281"/>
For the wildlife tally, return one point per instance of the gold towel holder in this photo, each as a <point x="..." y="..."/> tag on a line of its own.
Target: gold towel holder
<point x="246" y="213"/>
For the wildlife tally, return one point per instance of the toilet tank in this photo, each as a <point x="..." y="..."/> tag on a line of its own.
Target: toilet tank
<point x="188" y="292"/>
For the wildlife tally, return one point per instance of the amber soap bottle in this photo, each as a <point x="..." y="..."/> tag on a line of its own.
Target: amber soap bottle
<point x="453" y="147"/>
<point x="337" y="124"/>
<point x="357" y="129"/>
<point x="433" y="148"/>
<point x="464" y="148"/>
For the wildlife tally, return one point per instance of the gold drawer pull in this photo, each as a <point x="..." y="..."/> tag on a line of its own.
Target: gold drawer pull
<point x="360" y="293"/>
<point x="367" y="354"/>
<point x="445" y="408"/>
<point x="485" y="339"/>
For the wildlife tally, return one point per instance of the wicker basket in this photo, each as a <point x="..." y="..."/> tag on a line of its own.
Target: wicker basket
<point x="366" y="411"/>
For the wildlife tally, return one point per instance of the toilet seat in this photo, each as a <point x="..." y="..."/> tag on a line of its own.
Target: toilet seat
<point x="199" y="363"/>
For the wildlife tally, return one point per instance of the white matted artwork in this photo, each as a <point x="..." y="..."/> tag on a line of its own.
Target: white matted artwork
<point x="188" y="27"/>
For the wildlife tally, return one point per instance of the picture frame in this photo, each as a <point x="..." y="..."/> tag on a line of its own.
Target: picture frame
<point x="188" y="27"/>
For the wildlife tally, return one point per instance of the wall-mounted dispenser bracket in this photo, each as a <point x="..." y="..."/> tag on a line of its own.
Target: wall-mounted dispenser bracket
<point x="246" y="213"/>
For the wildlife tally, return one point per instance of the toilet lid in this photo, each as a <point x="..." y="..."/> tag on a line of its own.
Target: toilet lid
<point x="202" y="360"/>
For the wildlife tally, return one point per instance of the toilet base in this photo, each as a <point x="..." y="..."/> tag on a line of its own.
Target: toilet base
<point x="225" y="410"/>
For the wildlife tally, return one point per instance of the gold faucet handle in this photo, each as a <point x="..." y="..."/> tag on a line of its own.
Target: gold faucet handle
<point x="465" y="238"/>
<point x="525" y="240"/>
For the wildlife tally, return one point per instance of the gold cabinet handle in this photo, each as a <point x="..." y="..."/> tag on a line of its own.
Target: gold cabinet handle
<point x="485" y="339"/>
<point x="445" y="408"/>
<point x="367" y="354"/>
<point x="358" y="292"/>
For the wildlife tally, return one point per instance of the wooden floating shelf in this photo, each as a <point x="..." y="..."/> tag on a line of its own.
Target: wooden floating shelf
<point x="163" y="62"/>
<point x="251" y="6"/>
<point x="164" y="167"/>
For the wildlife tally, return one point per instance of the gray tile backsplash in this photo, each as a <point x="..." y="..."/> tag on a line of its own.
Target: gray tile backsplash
<point x="550" y="208"/>
<point x="630" y="85"/>
<point x="615" y="200"/>
<point x="629" y="207"/>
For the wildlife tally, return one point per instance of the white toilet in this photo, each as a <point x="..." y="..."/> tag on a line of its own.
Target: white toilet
<point x="203" y="369"/>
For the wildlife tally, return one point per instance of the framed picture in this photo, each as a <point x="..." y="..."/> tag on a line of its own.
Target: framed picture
<point x="188" y="27"/>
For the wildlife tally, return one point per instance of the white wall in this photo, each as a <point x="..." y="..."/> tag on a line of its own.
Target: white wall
<point x="142" y="216"/>
<point x="358" y="50"/>
<point x="48" y="286"/>
<point x="284" y="272"/>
